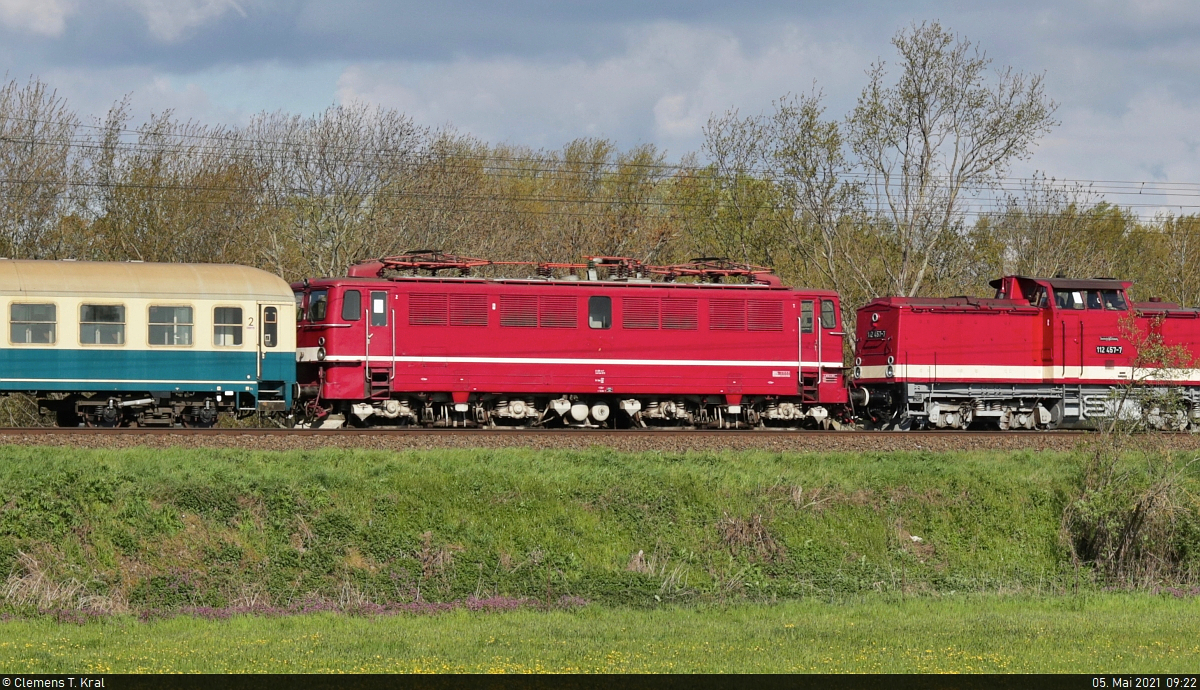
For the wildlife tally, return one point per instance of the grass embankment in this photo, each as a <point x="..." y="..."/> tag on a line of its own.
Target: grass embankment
<point x="691" y="562"/>
<point x="142" y="529"/>
<point x="1112" y="633"/>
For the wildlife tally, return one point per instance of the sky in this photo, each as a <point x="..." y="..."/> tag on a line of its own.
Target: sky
<point x="1126" y="75"/>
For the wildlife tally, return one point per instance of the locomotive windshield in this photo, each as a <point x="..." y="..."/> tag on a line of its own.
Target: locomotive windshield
<point x="318" y="300"/>
<point x="1111" y="300"/>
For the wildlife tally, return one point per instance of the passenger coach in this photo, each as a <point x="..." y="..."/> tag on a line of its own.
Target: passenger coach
<point x="111" y="344"/>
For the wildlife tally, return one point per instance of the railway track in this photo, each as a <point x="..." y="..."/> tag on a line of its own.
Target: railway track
<point x="587" y="440"/>
<point x="516" y="432"/>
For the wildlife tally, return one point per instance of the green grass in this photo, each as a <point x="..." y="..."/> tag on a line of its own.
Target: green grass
<point x="152" y="529"/>
<point x="982" y="633"/>
<point x="749" y="562"/>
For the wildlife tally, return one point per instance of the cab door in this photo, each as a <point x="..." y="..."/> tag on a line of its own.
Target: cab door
<point x="830" y="342"/>
<point x="809" y="351"/>
<point x="381" y="343"/>
<point x="1070" y="317"/>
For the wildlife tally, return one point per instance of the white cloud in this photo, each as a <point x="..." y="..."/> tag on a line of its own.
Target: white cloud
<point x="667" y="80"/>
<point x="226" y="95"/>
<point x="45" y="17"/>
<point x="661" y="88"/>
<point x="1153" y="138"/>
<point x="167" y="20"/>
<point x="1127" y="77"/>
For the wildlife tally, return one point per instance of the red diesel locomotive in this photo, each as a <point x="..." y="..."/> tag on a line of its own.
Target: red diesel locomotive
<point x="1044" y="353"/>
<point x="601" y="346"/>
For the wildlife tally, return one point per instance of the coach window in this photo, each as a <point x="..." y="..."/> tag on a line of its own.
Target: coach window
<point x="32" y="324"/>
<point x="351" y="305"/>
<point x="378" y="308"/>
<point x="102" y="324"/>
<point x="227" y="326"/>
<point x="600" y="312"/>
<point x="828" y="315"/>
<point x="806" y="317"/>
<point x="170" y="325"/>
<point x="318" y="300"/>
<point x="270" y="326"/>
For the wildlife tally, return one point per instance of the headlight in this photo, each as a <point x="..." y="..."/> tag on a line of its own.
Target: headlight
<point x="890" y="371"/>
<point x="321" y="355"/>
<point x="858" y="372"/>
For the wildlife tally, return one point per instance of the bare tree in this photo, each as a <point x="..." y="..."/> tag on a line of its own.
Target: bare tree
<point x="331" y="179"/>
<point x="1048" y="228"/>
<point x="1168" y="270"/>
<point x="736" y="206"/>
<point x="37" y="130"/>
<point x="806" y="157"/>
<point x="936" y="134"/>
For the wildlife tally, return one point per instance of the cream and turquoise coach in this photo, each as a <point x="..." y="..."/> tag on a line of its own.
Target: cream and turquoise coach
<point x="114" y="344"/>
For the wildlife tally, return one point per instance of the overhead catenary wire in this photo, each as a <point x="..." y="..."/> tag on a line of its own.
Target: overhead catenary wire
<point x="985" y="200"/>
<point x="978" y="209"/>
<point x="458" y="157"/>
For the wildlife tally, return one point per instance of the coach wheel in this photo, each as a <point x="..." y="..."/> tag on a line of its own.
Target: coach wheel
<point x="207" y="414"/>
<point x="204" y="418"/>
<point x="67" y="417"/>
<point x="109" y="416"/>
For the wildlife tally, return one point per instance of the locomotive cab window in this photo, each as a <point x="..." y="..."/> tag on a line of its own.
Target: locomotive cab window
<point x="299" y="306"/>
<point x="351" y="305"/>
<point x="599" y="312"/>
<point x="828" y="314"/>
<point x="227" y="326"/>
<point x="378" y="308"/>
<point x="102" y="324"/>
<point x="170" y="325"/>
<point x="806" y="316"/>
<point x="32" y="324"/>
<point x="318" y="301"/>
<point x="1069" y="299"/>
<point x="1112" y="300"/>
<point x="270" y="326"/>
<point x="1039" y="298"/>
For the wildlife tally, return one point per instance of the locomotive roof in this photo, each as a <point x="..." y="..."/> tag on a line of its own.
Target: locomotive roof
<point x="543" y="282"/>
<point x="1072" y="283"/>
<point x="137" y="279"/>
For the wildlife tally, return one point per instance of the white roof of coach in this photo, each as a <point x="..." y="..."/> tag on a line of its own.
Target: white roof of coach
<point x="137" y="279"/>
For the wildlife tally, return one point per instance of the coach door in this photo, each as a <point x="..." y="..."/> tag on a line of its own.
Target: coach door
<point x="268" y="333"/>
<point x="381" y="344"/>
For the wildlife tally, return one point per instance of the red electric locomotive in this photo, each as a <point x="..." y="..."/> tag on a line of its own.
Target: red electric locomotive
<point x="1044" y="353"/>
<point x="602" y="346"/>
